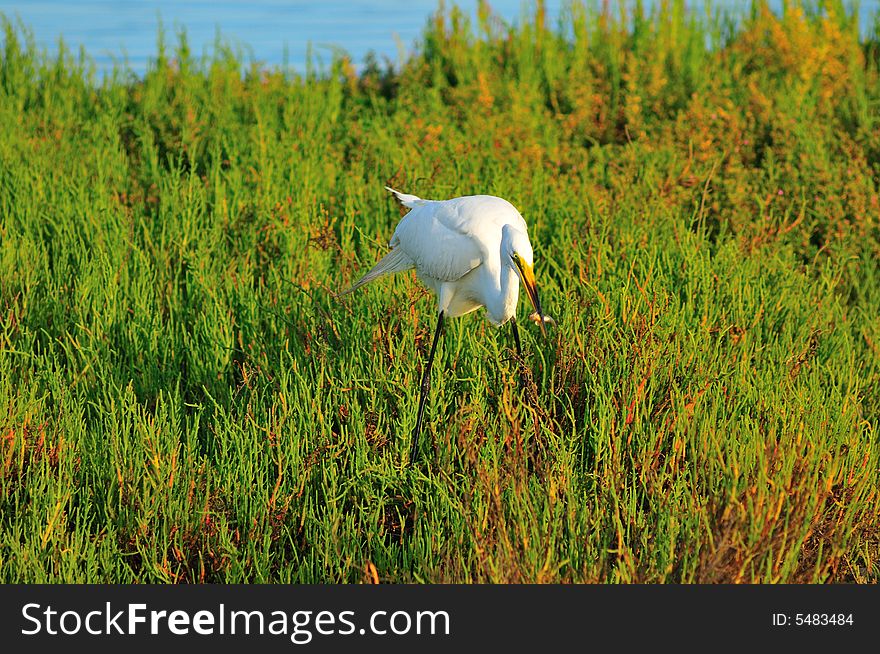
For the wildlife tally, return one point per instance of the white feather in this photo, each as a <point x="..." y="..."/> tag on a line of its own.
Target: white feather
<point x="394" y="261"/>
<point x="410" y="201"/>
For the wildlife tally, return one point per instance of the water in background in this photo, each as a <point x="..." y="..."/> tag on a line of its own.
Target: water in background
<point x="272" y="32"/>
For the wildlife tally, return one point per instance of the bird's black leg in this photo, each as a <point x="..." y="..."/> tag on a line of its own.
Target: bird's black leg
<point x="519" y="359"/>
<point x="425" y="389"/>
<point x="516" y="337"/>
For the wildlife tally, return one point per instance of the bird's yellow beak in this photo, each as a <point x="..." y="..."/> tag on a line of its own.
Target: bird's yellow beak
<point x="527" y="274"/>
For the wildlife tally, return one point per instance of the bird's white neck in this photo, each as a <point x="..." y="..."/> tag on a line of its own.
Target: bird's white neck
<point x="503" y="305"/>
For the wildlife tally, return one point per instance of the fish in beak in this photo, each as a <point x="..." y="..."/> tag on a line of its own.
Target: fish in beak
<point x="527" y="275"/>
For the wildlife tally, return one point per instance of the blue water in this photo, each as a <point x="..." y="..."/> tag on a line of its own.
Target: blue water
<point x="271" y="32"/>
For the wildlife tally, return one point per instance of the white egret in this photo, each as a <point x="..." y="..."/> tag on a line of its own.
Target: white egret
<point x="473" y="252"/>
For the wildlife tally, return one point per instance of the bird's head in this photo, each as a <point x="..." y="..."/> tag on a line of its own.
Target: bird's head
<point x="521" y="258"/>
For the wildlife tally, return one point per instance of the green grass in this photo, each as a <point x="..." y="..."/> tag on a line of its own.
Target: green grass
<point x="183" y="399"/>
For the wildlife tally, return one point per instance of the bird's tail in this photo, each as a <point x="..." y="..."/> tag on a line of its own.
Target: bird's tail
<point x="394" y="261"/>
<point x="410" y="201"/>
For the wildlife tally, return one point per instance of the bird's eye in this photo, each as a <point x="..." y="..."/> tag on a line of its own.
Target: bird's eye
<point x="514" y="256"/>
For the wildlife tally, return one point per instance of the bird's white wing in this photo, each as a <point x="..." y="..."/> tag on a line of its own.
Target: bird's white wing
<point x="437" y="237"/>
